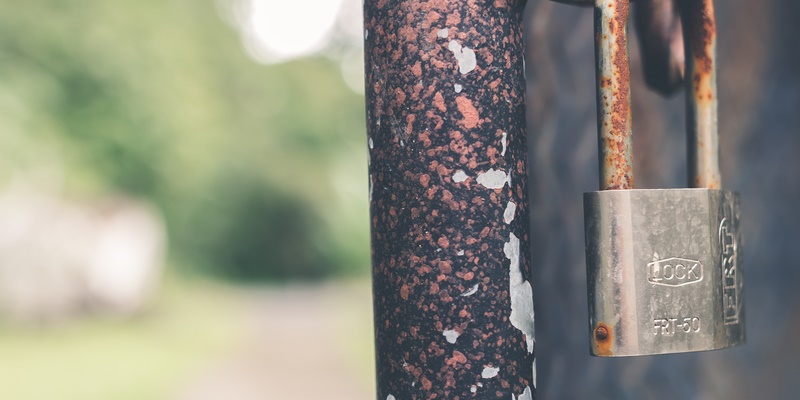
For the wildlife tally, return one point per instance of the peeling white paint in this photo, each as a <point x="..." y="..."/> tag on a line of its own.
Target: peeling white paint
<point x="390" y="397"/>
<point x="521" y="294"/>
<point x="465" y="57"/>
<point x="460" y="253"/>
<point x="450" y="335"/>
<point x="460" y="176"/>
<point x="402" y="143"/>
<point x="493" y="179"/>
<point x="370" y="188"/>
<point x="526" y="395"/>
<point x="489" y="372"/>
<point x="366" y="34"/>
<point x="458" y="88"/>
<point x="504" y="142"/>
<point x="442" y="33"/>
<point x="533" y="380"/>
<point x="371" y="184"/>
<point x="473" y="389"/>
<point x="371" y="145"/>
<point x="471" y="291"/>
<point x="508" y="214"/>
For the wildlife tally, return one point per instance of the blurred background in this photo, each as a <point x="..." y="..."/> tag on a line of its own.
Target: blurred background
<point x="183" y="200"/>
<point x="184" y="209"/>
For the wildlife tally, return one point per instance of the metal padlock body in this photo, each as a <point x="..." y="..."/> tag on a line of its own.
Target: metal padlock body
<point x="664" y="271"/>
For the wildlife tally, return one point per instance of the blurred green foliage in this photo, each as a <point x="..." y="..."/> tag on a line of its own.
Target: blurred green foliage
<point x="259" y="170"/>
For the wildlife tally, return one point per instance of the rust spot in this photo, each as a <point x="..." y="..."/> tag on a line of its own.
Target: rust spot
<point x="438" y="101"/>
<point x="434" y="288"/>
<point x="424" y="180"/>
<point x="459" y="357"/>
<point x="602" y="340"/>
<point x="417" y="69"/>
<point x="426" y="384"/>
<point x="701" y="32"/>
<point x="404" y="292"/>
<point x="601" y="333"/>
<point x="410" y="122"/>
<point x="445" y="267"/>
<point x="469" y="112"/>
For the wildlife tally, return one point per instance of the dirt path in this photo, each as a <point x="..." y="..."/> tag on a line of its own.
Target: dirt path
<point x="303" y="342"/>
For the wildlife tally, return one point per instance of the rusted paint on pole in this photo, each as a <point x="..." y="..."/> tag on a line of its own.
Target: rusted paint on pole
<point x="448" y="199"/>
<point x="700" y="33"/>
<point x="613" y="94"/>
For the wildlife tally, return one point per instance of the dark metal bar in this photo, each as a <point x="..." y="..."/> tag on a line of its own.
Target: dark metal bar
<point x="453" y="301"/>
<point x="700" y="44"/>
<point x="613" y="94"/>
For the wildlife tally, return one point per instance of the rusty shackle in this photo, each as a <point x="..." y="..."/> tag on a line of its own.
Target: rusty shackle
<point x="614" y="93"/>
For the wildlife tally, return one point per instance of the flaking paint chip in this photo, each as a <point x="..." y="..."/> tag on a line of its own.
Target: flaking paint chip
<point x="460" y="176"/>
<point x="489" y="372"/>
<point x="508" y="214"/>
<point x="493" y="179"/>
<point x="465" y="57"/>
<point x="526" y="395"/>
<point x="450" y="335"/>
<point x="471" y="291"/>
<point x="521" y="294"/>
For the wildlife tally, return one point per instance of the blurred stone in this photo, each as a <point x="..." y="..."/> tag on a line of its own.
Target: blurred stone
<point x="62" y="259"/>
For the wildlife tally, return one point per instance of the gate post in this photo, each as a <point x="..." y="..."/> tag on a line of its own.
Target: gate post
<point x="453" y="302"/>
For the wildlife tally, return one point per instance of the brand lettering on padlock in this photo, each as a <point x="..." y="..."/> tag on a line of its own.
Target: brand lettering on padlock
<point x="674" y="272"/>
<point x="730" y="298"/>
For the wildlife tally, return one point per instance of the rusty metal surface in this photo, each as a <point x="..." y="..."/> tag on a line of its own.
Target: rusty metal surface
<point x="700" y="32"/>
<point x="448" y="199"/>
<point x="613" y="94"/>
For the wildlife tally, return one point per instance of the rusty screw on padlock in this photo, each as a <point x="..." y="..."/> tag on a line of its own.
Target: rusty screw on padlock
<point x="663" y="265"/>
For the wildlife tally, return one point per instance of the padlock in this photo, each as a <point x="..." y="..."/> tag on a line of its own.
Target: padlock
<point x="664" y="266"/>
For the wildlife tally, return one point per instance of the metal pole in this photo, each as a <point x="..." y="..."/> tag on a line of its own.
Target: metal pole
<point x="613" y="94"/>
<point x="453" y="301"/>
<point x="700" y="44"/>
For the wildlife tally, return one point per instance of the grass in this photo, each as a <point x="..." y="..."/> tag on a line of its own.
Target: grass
<point x="148" y="357"/>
